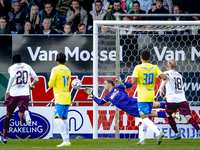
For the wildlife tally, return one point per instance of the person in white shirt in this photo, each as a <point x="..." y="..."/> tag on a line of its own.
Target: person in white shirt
<point x="47" y="28"/>
<point x="175" y="97"/>
<point x="17" y="93"/>
<point x="127" y="29"/>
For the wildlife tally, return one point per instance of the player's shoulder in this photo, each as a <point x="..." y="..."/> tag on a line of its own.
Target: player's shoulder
<point x="54" y="69"/>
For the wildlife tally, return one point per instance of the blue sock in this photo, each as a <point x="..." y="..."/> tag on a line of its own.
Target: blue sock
<point x="162" y="105"/>
<point x="162" y="114"/>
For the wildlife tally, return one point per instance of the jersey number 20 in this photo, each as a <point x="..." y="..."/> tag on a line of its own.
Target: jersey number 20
<point x="22" y="77"/>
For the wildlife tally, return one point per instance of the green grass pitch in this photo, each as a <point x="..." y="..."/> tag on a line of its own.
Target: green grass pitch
<point x="101" y="144"/>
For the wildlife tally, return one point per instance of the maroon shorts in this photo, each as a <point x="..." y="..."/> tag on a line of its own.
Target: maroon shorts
<point x="183" y="108"/>
<point x="21" y="101"/>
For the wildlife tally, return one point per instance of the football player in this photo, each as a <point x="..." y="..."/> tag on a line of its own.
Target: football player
<point x="60" y="80"/>
<point x="175" y="97"/>
<point x="17" y="93"/>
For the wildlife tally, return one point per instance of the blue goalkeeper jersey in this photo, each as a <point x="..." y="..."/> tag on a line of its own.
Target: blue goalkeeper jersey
<point x="120" y="98"/>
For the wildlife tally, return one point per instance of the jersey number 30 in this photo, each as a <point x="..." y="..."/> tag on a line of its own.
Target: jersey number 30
<point x="148" y="78"/>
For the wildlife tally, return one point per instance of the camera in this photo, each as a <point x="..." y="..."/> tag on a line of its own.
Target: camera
<point x="79" y="7"/>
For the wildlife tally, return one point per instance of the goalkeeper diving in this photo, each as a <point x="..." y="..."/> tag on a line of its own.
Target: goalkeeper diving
<point x="118" y="97"/>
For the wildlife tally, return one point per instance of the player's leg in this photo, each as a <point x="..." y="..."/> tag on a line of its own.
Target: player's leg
<point x="24" y="114"/>
<point x="60" y="118"/>
<point x="159" y="114"/>
<point x="144" y="110"/>
<point x="185" y="110"/>
<point x="143" y="134"/>
<point x="11" y="104"/>
<point x="158" y="105"/>
<point x="170" y="108"/>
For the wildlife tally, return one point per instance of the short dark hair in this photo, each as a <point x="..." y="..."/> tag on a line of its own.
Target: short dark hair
<point x="26" y="22"/>
<point x="159" y="1"/>
<point x="48" y="2"/>
<point x="109" y="81"/>
<point x="98" y="1"/>
<point x="75" y="1"/>
<point x="17" y="58"/>
<point x="117" y="1"/>
<point x="145" y="54"/>
<point x="61" y="58"/>
<point x="81" y="24"/>
<point x="136" y="2"/>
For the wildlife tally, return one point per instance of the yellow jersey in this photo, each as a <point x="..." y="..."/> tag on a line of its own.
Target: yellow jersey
<point x="146" y="77"/>
<point x="60" y="80"/>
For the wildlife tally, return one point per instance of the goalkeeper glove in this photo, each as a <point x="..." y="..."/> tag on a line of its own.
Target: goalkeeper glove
<point x="118" y="82"/>
<point x="89" y="92"/>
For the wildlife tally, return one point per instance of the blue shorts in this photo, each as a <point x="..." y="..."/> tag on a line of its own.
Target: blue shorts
<point x="61" y="110"/>
<point x="145" y="107"/>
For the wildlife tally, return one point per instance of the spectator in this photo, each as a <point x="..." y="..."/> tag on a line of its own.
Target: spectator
<point x="76" y="14"/>
<point x="167" y="4"/>
<point x="177" y="10"/>
<point x="127" y="28"/>
<point x="105" y="4"/>
<point x="47" y="28"/>
<point x="82" y="29"/>
<point x="54" y="16"/>
<point x="67" y="29"/>
<point x="104" y="30"/>
<point x="158" y="9"/>
<point x="116" y="9"/>
<point x="35" y="18"/>
<point x="181" y="4"/>
<point x="136" y="10"/>
<point x="16" y="17"/>
<point x="193" y="6"/>
<point x="5" y="6"/>
<point x="41" y="3"/>
<point x="26" y="6"/>
<point x="62" y="7"/>
<point x="145" y="5"/>
<point x="97" y="14"/>
<point x="4" y="28"/>
<point x="27" y="28"/>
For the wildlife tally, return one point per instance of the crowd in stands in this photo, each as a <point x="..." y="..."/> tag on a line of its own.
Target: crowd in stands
<point x="77" y="16"/>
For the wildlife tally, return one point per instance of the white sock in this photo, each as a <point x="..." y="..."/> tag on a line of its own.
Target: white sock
<point x="67" y="129"/>
<point x="151" y="125"/>
<point x="144" y="131"/>
<point x="62" y="128"/>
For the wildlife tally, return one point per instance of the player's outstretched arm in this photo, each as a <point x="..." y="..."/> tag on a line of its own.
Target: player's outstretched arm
<point x="133" y="80"/>
<point x="35" y="81"/>
<point x="98" y="101"/>
<point x="118" y="82"/>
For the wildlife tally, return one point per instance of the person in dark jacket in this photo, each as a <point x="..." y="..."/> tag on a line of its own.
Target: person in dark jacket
<point x="116" y="9"/>
<point x="16" y="17"/>
<point x="158" y="9"/>
<point x="47" y="28"/>
<point x="4" y="27"/>
<point x="27" y="28"/>
<point x="137" y="10"/>
<point x="34" y="18"/>
<point x="53" y="15"/>
<point x="5" y="6"/>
